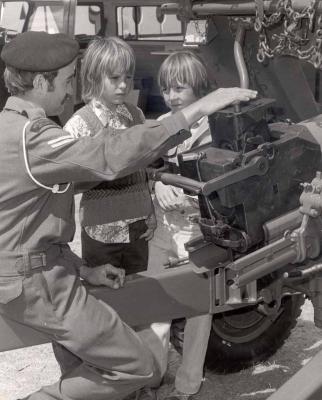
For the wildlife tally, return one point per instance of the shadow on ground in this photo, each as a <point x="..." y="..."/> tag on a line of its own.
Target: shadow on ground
<point x="23" y="371"/>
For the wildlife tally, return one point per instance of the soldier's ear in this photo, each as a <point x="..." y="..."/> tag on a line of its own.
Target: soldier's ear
<point x="40" y="82"/>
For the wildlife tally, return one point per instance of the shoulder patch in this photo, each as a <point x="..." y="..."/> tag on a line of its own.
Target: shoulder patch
<point x="42" y="124"/>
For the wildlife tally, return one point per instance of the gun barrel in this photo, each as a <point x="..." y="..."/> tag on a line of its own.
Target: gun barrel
<point x="263" y="261"/>
<point x="274" y="229"/>
<point x="265" y="269"/>
<point x="234" y="7"/>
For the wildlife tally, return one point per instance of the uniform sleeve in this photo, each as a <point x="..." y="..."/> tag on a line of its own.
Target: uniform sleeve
<point x="141" y="115"/>
<point x="136" y="112"/>
<point x="56" y="156"/>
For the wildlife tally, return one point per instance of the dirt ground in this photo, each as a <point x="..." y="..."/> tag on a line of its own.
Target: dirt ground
<point x="25" y="370"/>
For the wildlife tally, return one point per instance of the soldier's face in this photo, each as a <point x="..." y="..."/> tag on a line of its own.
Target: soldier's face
<point x="179" y="96"/>
<point x="61" y="89"/>
<point x="116" y="88"/>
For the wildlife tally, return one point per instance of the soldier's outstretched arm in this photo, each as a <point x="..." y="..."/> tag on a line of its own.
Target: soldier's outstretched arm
<point x="56" y="156"/>
<point x="215" y="101"/>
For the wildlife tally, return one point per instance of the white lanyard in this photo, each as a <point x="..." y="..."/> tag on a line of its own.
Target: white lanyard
<point x="55" y="188"/>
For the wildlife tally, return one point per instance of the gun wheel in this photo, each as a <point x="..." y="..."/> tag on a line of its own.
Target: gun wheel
<point x="246" y="336"/>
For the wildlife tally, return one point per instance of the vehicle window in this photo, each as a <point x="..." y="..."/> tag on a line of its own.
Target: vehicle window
<point x="21" y="16"/>
<point x="88" y="19"/>
<point x="147" y="23"/>
<point x="47" y="18"/>
<point x="13" y="15"/>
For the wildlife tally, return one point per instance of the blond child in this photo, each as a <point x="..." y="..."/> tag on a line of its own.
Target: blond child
<point x="117" y="217"/>
<point x="183" y="80"/>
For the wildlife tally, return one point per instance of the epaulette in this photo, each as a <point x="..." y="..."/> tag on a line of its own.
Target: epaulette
<point x="42" y="124"/>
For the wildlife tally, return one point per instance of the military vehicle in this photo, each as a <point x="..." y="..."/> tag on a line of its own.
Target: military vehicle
<point x="260" y="246"/>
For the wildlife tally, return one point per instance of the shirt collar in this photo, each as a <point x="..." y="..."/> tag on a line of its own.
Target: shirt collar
<point x="106" y="115"/>
<point x="26" y="108"/>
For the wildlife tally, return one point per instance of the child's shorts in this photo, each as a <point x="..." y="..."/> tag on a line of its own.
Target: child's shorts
<point x="133" y="256"/>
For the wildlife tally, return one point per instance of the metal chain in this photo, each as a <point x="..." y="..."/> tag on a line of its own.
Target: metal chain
<point x="262" y="21"/>
<point x="294" y="40"/>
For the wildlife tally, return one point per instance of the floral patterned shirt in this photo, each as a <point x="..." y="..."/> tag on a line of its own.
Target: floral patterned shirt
<point x="121" y="118"/>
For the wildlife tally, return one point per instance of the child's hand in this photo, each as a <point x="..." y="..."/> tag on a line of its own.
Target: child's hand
<point x="168" y="197"/>
<point x="106" y="275"/>
<point x="151" y="223"/>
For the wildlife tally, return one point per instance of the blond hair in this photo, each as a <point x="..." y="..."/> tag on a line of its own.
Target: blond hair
<point x="102" y="58"/>
<point x="184" y="68"/>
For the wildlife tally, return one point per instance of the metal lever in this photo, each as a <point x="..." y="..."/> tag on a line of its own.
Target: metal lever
<point x="257" y="166"/>
<point x="177" y="180"/>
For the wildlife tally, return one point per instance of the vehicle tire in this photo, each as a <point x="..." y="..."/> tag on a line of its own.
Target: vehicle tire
<point x="246" y="336"/>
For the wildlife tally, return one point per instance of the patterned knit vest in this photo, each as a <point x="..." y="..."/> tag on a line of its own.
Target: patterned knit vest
<point x="122" y="198"/>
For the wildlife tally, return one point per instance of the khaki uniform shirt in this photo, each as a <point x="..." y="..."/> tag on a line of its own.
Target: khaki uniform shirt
<point x="34" y="218"/>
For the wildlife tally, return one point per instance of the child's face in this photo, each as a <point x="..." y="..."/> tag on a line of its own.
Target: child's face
<point x="116" y="88"/>
<point x="179" y="96"/>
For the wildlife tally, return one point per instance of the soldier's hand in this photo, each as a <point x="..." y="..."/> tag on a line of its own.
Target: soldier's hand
<point x="106" y="275"/>
<point x="215" y="101"/>
<point x="223" y="97"/>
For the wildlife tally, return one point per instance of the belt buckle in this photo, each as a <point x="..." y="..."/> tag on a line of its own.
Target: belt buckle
<point x="37" y="260"/>
<point x="29" y="261"/>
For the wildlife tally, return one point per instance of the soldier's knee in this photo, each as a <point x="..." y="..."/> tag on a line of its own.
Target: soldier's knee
<point x="152" y="369"/>
<point x="146" y="368"/>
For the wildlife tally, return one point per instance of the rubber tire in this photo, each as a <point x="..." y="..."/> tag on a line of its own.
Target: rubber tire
<point x="239" y="352"/>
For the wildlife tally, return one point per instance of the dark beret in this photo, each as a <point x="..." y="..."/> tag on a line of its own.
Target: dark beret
<point x="39" y="51"/>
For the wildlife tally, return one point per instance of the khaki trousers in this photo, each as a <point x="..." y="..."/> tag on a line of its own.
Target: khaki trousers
<point x="174" y="229"/>
<point x="104" y="358"/>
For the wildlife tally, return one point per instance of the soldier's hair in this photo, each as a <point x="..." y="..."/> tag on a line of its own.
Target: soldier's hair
<point x="184" y="68"/>
<point x="18" y="81"/>
<point x="103" y="58"/>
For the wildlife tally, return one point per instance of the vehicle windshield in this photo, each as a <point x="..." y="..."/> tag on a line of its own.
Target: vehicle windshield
<point x="148" y="23"/>
<point x="20" y="16"/>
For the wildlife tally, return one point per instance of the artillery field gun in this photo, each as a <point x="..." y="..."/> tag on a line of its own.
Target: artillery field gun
<point x="258" y="185"/>
<point x="255" y="245"/>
